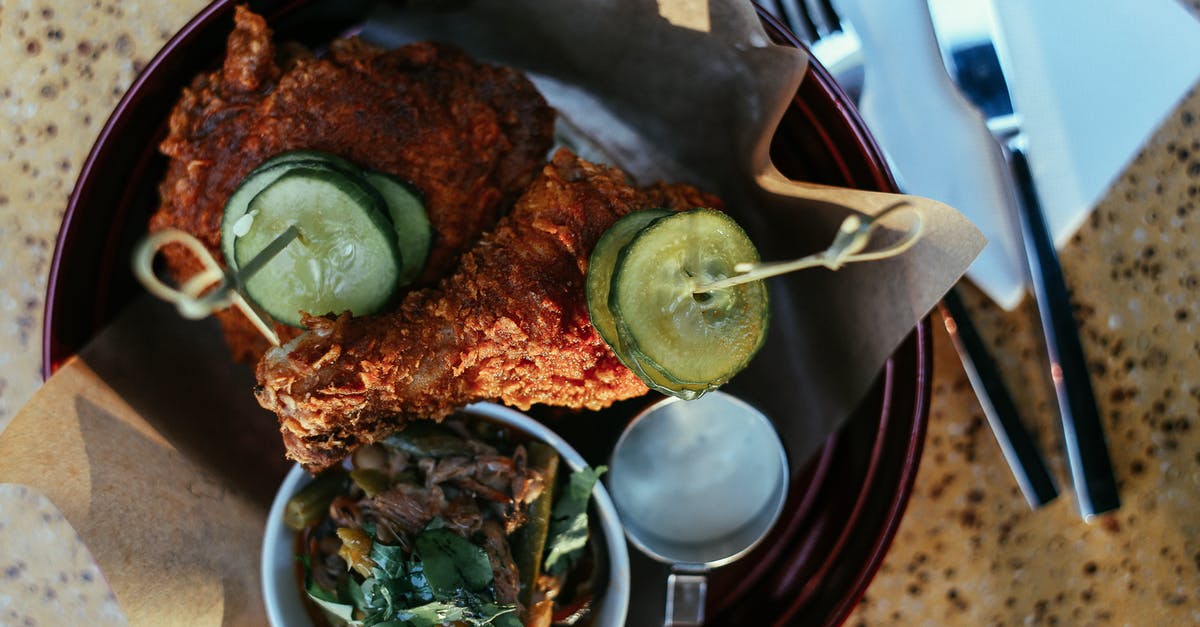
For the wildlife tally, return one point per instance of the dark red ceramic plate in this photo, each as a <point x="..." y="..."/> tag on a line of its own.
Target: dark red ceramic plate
<point x="845" y="503"/>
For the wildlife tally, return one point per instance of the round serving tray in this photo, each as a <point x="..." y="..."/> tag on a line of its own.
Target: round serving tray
<point x="844" y="505"/>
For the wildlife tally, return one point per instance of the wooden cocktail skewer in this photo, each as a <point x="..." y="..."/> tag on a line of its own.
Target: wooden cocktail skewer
<point x="214" y="287"/>
<point x="851" y="239"/>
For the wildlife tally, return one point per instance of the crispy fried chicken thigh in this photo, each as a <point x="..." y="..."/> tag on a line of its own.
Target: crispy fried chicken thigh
<point x="469" y="136"/>
<point x="510" y="325"/>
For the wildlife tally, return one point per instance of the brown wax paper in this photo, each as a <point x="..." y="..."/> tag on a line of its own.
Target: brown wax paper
<point x="692" y="91"/>
<point x="155" y="453"/>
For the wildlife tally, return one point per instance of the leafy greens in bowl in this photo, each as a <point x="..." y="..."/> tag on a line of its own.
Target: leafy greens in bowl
<point x="489" y="518"/>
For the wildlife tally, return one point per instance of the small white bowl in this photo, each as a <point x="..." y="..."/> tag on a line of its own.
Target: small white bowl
<point x="285" y="606"/>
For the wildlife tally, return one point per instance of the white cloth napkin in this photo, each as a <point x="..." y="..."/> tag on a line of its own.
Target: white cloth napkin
<point x="1091" y="80"/>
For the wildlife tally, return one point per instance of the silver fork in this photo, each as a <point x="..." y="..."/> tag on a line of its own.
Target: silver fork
<point x="838" y="46"/>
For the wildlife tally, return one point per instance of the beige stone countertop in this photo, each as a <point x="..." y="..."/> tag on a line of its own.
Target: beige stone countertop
<point x="969" y="551"/>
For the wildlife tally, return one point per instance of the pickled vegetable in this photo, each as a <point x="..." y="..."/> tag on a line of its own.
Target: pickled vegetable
<point x="684" y="342"/>
<point x="345" y="259"/>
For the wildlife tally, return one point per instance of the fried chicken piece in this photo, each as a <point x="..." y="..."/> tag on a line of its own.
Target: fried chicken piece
<point x="510" y="325"/>
<point x="469" y="136"/>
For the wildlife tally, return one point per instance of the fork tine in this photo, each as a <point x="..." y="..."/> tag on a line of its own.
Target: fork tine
<point x="796" y="17"/>
<point x="822" y="17"/>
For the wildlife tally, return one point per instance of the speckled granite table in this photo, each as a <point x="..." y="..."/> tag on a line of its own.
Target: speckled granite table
<point x="968" y="551"/>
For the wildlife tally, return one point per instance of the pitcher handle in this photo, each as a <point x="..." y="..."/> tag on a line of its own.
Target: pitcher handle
<point x="687" y="587"/>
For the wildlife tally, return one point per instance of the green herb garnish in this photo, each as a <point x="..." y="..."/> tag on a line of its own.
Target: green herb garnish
<point x="453" y="566"/>
<point x="569" y="521"/>
<point x="445" y="579"/>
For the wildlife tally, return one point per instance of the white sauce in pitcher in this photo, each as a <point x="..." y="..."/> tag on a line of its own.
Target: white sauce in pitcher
<point x="696" y="471"/>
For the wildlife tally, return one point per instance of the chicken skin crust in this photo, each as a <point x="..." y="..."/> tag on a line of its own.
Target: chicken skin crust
<point x="470" y="137"/>
<point x="510" y="325"/>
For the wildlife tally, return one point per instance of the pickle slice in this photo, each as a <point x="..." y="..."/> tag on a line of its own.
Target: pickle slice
<point x="258" y="179"/>
<point x="345" y="258"/>
<point x="414" y="233"/>
<point x="656" y="380"/>
<point x="694" y="342"/>
<point x="599" y="283"/>
<point x="600" y="270"/>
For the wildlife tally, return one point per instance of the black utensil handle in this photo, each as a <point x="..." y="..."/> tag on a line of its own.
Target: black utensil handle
<point x="1087" y="450"/>
<point x="1019" y="448"/>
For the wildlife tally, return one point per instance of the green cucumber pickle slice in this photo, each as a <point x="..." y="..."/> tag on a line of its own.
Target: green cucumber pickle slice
<point x="259" y="178"/>
<point x="414" y="233"/>
<point x="656" y="380"/>
<point x="600" y="270"/>
<point x="345" y="258"/>
<point x="694" y="342"/>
